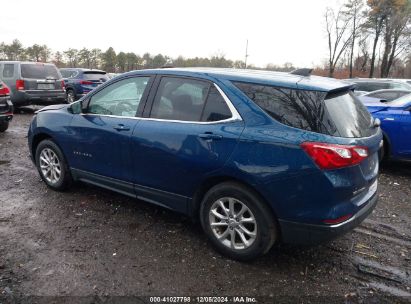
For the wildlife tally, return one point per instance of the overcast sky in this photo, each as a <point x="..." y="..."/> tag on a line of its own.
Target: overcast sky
<point x="278" y="31"/>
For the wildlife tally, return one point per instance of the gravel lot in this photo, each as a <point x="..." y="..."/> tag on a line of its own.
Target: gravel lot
<point x="90" y="242"/>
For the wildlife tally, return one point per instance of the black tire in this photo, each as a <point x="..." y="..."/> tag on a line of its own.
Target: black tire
<point x="266" y="225"/>
<point x="4" y="125"/>
<point x="385" y="152"/>
<point x="70" y="96"/>
<point x="65" y="180"/>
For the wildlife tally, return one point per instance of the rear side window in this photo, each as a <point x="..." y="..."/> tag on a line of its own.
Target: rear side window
<point x="39" y="71"/>
<point x="189" y="100"/>
<point x="95" y="76"/>
<point x="215" y="108"/>
<point x="338" y="115"/>
<point x="8" y="70"/>
<point x="68" y="73"/>
<point x="180" y="99"/>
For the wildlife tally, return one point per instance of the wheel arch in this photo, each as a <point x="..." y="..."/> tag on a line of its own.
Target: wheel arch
<point x="387" y="145"/>
<point x="207" y="184"/>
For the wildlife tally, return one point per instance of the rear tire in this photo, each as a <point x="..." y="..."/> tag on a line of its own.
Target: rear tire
<point x="238" y="222"/>
<point x="70" y="96"/>
<point x="4" y="125"/>
<point x="52" y="166"/>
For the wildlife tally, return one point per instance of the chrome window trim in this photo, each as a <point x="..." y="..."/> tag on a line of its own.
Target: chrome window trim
<point x="235" y="116"/>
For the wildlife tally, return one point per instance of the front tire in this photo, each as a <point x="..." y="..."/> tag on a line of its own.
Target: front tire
<point x="4" y="125"/>
<point x="238" y="222"/>
<point x="52" y="166"/>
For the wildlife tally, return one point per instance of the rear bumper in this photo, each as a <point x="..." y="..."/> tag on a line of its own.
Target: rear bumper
<point x="6" y="109"/>
<point x="308" y="234"/>
<point x="23" y="98"/>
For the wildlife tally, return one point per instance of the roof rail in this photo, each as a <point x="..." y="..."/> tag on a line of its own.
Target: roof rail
<point x="302" y="72"/>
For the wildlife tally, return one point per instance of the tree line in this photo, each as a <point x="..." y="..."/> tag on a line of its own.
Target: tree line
<point x="369" y="38"/>
<point x="108" y="60"/>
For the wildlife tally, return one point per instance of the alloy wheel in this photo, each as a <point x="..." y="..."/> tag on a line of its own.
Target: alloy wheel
<point x="233" y="223"/>
<point x="50" y="165"/>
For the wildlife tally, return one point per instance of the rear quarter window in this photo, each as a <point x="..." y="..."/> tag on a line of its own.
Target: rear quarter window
<point x="8" y="70"/>
<point x="339" y="114"/>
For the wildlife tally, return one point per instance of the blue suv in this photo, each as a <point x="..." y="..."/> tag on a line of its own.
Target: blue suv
<point x="258" y="157"/>
<point x="79" y="82"/>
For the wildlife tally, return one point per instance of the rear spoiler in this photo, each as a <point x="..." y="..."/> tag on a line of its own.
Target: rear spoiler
<point x="340" y="91"/>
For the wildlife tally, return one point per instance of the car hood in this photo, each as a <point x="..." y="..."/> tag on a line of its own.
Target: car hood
<point x="53" y="107"/>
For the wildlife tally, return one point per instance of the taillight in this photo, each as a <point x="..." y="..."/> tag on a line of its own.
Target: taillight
<point x="19" y="84"/>
<point x="329" y="156"/>
<point x="86" y="82"/>
<point x="63" y="85"/>
<point x="4" y="90"/>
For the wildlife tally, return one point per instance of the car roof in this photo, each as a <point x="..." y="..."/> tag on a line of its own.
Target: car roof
<point x="263" y="77"/>
<point x="83" y="70"/>
<point x="27" y="62"/>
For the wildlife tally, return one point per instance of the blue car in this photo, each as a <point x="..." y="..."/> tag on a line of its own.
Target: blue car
<point x="79" y="82"/>
<point x="395" y="117"/>
<point x="258" y="157"/>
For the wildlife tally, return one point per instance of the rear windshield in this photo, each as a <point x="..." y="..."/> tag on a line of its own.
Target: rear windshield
<point x="349" y="116"/>
<point x="39" y="71"/>
<point x="339" y="115"/>
<point x="96" y="76"/>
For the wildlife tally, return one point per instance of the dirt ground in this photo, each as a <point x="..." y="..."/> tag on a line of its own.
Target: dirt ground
<point x="94" y="245"/>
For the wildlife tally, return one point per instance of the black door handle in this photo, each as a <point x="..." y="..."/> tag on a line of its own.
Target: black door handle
<point x="210" y="136"/>
<point x="121" y="127"/>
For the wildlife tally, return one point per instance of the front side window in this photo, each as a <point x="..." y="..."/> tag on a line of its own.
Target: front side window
<point x="8" y="70"/>
<point x="189" y="100"/>
<point x="121" y="98"/>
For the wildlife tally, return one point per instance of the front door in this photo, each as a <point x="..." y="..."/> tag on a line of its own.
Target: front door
<point x="101" y="135"/>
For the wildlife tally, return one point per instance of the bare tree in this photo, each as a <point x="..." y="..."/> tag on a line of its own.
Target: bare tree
<point x="339" y="37"/>
<point x="397" y="33"/>
<point x="353" y="10"/>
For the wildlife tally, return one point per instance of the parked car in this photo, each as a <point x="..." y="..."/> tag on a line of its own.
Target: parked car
<point x="364" y="85"/>
<point x="385" y="95"/>
<point x="256" y="156"/>
<point x="401" y="80"/>
<point x="32" y="82"/>
<point x="6" y="107"/>
<point x="395" y="117"/>
<point x="79" y="82"/>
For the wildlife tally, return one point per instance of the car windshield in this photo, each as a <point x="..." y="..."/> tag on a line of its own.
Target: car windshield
<point x="400" y="102"/>
<point x="39" y="71"/>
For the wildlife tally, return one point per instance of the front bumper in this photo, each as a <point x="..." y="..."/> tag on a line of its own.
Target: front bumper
<point x="309" y="234"/>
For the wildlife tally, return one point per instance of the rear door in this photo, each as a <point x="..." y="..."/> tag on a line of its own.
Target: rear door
<point x="101" y="136"/>
<point x="189" y="132"/>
